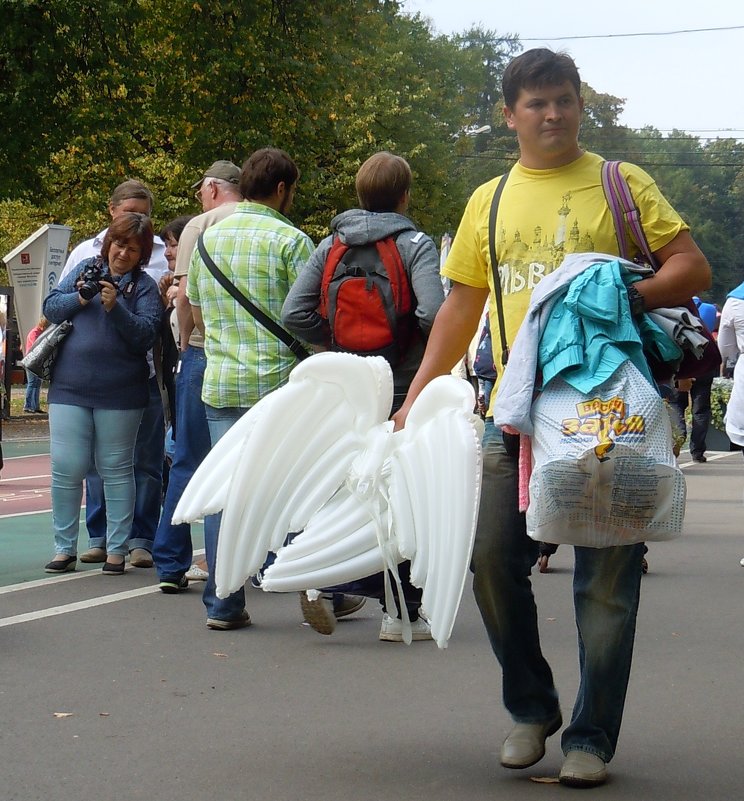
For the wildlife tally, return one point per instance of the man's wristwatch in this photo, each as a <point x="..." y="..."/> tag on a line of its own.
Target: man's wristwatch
<point x="637" y="301"/>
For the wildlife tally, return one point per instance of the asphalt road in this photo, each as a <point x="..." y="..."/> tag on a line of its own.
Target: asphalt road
<point x="111" y="690"/>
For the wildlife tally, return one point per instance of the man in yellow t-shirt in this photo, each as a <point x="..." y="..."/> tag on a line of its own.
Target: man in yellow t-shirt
<point x="552" y="205"/>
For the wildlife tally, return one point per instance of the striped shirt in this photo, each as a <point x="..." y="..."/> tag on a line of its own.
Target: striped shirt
<point x="260" y="252"/>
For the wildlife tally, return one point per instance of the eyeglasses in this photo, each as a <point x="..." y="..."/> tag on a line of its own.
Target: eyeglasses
<point x="198" y="193"/>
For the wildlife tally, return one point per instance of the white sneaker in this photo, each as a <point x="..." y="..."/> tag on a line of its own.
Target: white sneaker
<point x="742" y="563"/>
<point x="391" y="629"/>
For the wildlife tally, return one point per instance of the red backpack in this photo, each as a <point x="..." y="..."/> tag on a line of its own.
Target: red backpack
<point x="365" y="295"/>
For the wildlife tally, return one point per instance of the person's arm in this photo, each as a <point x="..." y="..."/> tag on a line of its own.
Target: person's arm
<point x="197" y="318"/>
<point x="426" y="283"/>
<point x="727" y="339"/>
<point x="454" y="327"/>
<point x="684" y="272"/>
<point x="64" y="301"/>
<point x="300" y="310"/>
<point x="185" y="314"/>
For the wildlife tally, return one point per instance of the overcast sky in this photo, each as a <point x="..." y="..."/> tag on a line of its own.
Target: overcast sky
<point x="688" y="81"/>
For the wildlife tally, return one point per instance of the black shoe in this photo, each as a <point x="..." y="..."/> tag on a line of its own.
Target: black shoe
<point x="113" y="569"/>
<point x="699" y="457"/>
<point x="65" y="565"/>
<point x="171" y="585"/>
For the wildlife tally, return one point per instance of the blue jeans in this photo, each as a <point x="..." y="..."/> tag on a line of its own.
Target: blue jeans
<point x="33" y="391"/>
<point x="107" y="436"/>
<point x="172" y="549"/>
<point x="606" y="592"/>
<point x="148" y="476"/>
<point x="220" y="421"/>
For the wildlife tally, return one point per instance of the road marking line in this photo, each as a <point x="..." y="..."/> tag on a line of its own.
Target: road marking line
<point x="26" y="478"/>
<point x="31" y="585"/>
<point x="714" y="456"/>
<point x="23" y="514"/>
<point x="46" y="582"/>
<point x="77" y="606"/>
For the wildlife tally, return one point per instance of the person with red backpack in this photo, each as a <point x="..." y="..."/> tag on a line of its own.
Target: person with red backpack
<point x="372" y="288"/>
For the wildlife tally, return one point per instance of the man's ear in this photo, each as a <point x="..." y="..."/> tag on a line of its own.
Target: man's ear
<point x="508" y="116"/>
<point x="111" y="209"/>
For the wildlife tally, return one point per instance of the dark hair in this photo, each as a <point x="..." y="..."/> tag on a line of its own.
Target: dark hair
<point x="535" y="69"/>
<point x="264" y="170"/>
<point x="131" y="190"/>
<point x="126" y="226"/>
<point x="175" y="227"/>
<point x="382" y="181"/>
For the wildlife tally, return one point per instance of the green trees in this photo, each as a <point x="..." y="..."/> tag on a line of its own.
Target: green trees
<point x="94" y="92"/>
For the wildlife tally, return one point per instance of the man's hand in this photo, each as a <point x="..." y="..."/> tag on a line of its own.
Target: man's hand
<point x="684" y="384"/>
<point x="455" y="325"/>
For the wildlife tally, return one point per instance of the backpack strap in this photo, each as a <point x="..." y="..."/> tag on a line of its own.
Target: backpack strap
<point x="335" y="254"/>
<point x="390" y="256"/>
<point x="495" y="264"/>
<point x="261" y="317"/>
<point x="625" y="214"/>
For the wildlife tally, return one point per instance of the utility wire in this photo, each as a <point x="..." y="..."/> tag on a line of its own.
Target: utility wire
<point x="622" y="35"/>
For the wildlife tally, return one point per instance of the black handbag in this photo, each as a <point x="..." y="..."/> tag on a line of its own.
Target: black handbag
<point x="43" y="354"/>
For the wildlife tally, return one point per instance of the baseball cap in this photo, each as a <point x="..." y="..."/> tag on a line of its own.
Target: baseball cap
<point x="225" y="170"/>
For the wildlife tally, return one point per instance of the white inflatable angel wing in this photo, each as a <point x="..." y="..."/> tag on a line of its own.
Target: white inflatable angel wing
<point x="285" y="458"/>
<point x="319" y="457"/>
<point x="419" y="503"/>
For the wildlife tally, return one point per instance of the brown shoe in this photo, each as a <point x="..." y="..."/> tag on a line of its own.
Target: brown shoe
<point x="139" y="557"/>
<point x="93" y="555"/>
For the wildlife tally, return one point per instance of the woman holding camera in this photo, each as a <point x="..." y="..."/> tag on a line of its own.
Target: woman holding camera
<point x="99" y="386"/>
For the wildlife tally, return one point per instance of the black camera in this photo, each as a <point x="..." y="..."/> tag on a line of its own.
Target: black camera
<point x="91" y="277"/>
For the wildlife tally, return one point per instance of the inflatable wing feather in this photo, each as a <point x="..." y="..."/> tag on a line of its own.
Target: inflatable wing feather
<point x="318" y="457"/>
<point x="424" y="509"/>
<point x="434" y="494"/>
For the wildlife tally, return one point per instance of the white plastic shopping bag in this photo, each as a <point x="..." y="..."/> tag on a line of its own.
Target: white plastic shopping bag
<point x="603" y="468"/>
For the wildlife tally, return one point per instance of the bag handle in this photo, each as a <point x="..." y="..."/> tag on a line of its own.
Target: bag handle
<point x="625" y="214"/>
<point x="270" y="325"/>
<point x="495" y="265"/>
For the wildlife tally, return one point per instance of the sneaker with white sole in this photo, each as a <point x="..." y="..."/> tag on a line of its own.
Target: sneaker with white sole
<point x="391" y="629"/>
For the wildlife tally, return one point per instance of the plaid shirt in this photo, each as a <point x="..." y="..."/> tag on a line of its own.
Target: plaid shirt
<point x="261" y="252"/>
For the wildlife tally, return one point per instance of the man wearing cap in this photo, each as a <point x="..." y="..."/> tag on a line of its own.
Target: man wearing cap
<point x="260" y="252"/>
<point x="219" y="192"/>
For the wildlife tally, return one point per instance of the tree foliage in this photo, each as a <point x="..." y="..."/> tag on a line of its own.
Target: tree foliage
<point x="95" y="92"/>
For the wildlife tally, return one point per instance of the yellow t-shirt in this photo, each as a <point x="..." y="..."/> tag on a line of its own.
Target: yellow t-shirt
<point x="545" y="215"/>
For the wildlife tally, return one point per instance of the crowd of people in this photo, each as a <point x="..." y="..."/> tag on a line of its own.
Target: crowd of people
<point x="108" y="419"/>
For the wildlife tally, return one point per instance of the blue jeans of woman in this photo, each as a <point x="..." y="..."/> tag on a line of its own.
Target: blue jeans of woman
<point x="33" y="391"/>
<point x="220" y="421"/>
<point x="107" y="436"/>
<point x="172" y="549"/>
<point x="606" y="590"/>
<point x="149" y="452"/>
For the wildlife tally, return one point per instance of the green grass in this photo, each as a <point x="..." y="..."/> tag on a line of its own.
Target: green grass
<point x="18" y="396"/>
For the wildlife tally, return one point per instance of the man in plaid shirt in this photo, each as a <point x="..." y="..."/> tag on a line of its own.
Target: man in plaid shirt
<point x="259" y="250"/>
